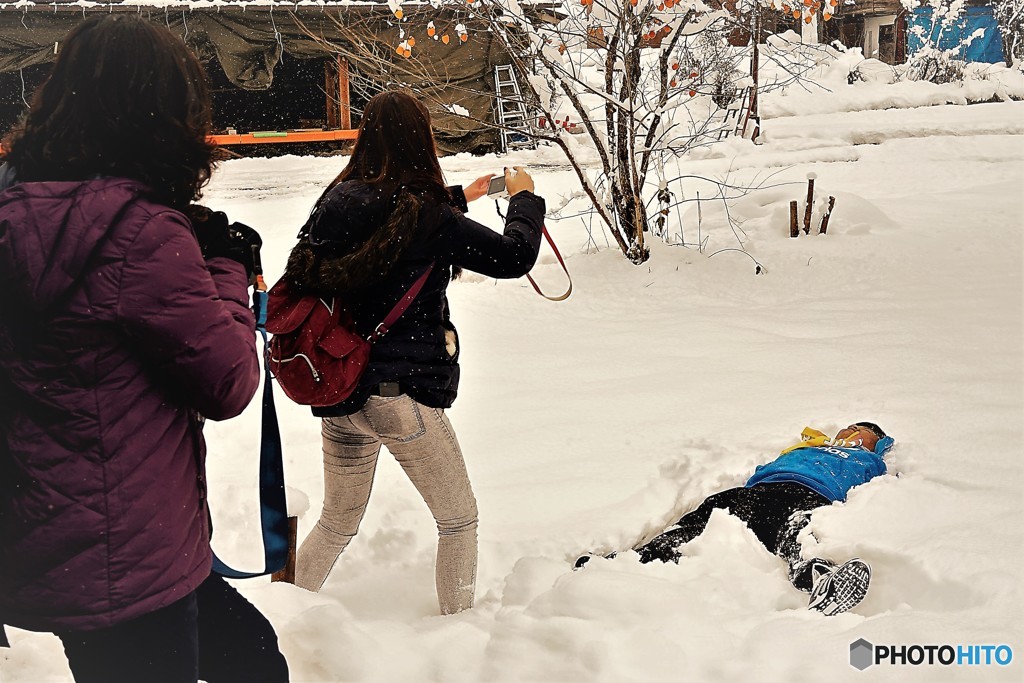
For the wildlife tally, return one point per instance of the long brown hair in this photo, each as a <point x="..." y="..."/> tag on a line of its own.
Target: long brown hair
<point x="396" y="155"/>
<point x="125" y="98"/>
<point x="395" y="147"/>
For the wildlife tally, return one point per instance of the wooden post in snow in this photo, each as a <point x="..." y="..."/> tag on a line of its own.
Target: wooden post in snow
<point x="794" y="228"/>
<point x="810" y="204"/>
<point x="828" y="214"/>
<point x="287" y="573"/>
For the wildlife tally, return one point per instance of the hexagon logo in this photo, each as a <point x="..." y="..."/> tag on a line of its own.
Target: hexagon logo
<point x="861" y="654"/>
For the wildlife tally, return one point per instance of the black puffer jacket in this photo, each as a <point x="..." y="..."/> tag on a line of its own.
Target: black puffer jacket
<point x="414" y="353"/>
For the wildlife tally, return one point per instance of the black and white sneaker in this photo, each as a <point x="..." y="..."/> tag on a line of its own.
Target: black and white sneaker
<point x="838" y="589"/>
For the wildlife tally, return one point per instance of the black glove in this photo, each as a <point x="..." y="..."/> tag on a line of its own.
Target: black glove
<point x="217" y="237"/>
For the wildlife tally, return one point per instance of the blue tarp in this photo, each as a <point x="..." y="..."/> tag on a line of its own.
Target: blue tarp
<point x="988" y="48"/>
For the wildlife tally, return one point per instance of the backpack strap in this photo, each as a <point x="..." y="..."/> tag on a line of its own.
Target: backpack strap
<point x="402" y="305"/>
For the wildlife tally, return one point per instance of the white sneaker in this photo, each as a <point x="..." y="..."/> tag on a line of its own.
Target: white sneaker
<point x="838" y="589"/>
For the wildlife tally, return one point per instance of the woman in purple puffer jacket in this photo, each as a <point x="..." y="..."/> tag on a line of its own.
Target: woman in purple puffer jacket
<point x="122" y="327"/>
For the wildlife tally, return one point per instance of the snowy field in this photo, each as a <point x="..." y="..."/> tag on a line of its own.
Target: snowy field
<point x="591" y="424"/>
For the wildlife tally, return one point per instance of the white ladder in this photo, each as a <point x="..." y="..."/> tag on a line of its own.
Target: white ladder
<point x="516" y="131"/>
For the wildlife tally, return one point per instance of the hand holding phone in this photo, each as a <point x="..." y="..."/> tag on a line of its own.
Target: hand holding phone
<point x="513" y="182"/>
<point x="517" y="180"/>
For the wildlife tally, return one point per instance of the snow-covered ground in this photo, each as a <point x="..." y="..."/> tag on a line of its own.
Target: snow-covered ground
<point x="591" y="424"/>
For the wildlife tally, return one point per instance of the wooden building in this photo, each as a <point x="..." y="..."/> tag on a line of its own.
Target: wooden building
<point x="286" y="72"/>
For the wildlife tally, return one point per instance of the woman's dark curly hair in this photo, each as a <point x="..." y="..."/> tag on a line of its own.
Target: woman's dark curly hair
<point x="126" y="98"/>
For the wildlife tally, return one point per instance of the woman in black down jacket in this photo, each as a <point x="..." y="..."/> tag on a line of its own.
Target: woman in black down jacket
<point x="384" y="221"/>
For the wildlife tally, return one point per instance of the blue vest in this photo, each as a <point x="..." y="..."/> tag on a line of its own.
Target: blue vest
<point x="828" y="470"/>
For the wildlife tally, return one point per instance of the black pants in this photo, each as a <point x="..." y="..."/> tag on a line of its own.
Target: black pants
<point x="776" y="513"/>
<point x="214" y="634"/>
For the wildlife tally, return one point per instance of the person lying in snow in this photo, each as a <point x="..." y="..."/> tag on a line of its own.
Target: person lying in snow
<point x="776" y="504"/>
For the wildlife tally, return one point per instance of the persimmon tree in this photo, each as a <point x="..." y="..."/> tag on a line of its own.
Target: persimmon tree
<point x="806" y="13"/>
<point x="641" y="82"/>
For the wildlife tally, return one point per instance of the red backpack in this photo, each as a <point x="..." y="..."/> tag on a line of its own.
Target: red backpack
<point x="315" y="354"/>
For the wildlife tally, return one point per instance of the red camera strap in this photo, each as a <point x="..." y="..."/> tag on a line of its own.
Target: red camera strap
<point x="561" y="262"/>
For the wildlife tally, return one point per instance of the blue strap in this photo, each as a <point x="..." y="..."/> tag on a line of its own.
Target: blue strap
<point x="273" y="509"/>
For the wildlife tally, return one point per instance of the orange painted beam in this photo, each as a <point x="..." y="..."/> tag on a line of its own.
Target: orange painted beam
<point x="274" y="137"/>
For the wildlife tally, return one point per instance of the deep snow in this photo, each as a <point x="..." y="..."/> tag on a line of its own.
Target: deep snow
<point x="591" y="424"/>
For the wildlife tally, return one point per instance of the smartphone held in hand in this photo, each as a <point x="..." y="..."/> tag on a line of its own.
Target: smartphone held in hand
<point x="513" y="181"/>
<point x="496" y="188"/>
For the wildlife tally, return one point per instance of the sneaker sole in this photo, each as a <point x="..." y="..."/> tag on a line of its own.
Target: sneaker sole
<point x="845" y="589"/>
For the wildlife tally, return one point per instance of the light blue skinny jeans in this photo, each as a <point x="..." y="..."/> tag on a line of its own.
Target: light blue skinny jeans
<point x="423" y="442"/>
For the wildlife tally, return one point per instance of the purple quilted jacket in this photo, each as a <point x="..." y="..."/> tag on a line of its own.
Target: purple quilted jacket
<point x="114" y="336"/>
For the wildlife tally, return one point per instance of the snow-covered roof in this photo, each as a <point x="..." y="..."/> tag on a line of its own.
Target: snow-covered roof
<point x="195" y="4"/>
<point x="56" y="5"/>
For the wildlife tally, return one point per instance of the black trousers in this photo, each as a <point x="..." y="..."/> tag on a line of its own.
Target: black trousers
<point x="214" y="634"/>
<point x="776" y="513"/>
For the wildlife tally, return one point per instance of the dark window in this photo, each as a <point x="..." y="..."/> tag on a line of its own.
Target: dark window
<point x="887" y="43"/>
<point x="295" y="99"/>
